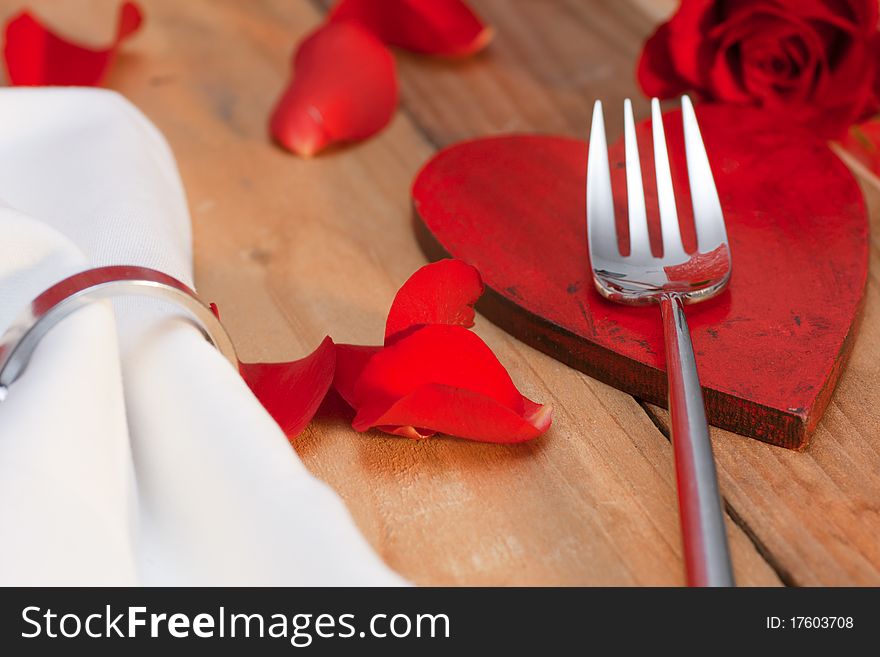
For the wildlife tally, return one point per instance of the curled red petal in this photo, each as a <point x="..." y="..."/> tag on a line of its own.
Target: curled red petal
<point x="456" y="412"/>
<point x="432" y="27"/>
<point x="35" y="56"/>
<point x="439" y="354"/>
<point x="292" y="392"/>
<point x="344" y="88"/>
<point x="443" y="292"/>
<point x="351" y="359"/>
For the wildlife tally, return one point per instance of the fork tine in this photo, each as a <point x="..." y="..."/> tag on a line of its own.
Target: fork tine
<point x="639" y="242"/>
<point x="600" y="199"/>
<point x="672" y="245"/>
<point x="708" y="218"/>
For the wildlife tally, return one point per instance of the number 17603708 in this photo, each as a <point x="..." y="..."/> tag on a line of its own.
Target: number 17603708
<point x="810" y="623"/>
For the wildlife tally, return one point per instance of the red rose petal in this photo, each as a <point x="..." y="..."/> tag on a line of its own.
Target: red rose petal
<point x="456" y="412"/>
<point x="434" y="375"/>
<point x="292" y="392"/>
<point x="344" y="88"/>
<point x="875" y="90"/>
<point x="655" y="73"/>
<point x="690" y="49"/>
<point x="436" y="354"/>
<point x="443" y="292"/>
<point x="433" y="27"/>
<point x="36" y="56"/>
<point x="351" y="359"/>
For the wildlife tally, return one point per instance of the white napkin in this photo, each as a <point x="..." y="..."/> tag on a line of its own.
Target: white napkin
<point x="156" y="466"/>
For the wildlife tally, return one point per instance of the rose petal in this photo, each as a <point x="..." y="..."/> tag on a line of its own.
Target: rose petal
<point x="456" y="412"/>
<point x="442" y="292"/>
<point x="433" y="27"/>
<point x="767" y="28"/>
<point x="351" y="359"/>
<point x="655" y="74"/>
<point x="36" y="56"/>
<point x="874" y="104"/>
<point x="292" y="392"/>
<point x="850" y="15"/>
<point x="344" y="88"/>
<point x="846" y="96"/>
<point x="688" y="31"/>
<point x="430" y="377"/>
<point x="436" y="354"/>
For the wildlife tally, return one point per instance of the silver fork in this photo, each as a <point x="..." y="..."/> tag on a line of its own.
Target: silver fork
<point x="671" y="280"/>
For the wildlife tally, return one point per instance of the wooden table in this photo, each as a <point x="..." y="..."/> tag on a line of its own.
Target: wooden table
<point x="292" y="250"/>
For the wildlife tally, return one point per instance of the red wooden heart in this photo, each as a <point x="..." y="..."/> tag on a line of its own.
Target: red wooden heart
<point x="769" y="349"/>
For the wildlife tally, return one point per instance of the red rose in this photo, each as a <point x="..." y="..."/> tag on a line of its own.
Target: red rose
<point x="813" y="61"/>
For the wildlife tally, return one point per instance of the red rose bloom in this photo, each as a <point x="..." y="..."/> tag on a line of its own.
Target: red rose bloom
<point x="813" y="61"/>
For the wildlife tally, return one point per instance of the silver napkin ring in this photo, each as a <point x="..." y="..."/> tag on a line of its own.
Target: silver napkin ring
<point x="65" y="297"/>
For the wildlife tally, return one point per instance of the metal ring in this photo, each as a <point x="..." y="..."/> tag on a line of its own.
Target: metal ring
<point x="67" y="296"/>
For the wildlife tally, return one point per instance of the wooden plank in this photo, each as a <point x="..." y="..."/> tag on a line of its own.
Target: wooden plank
<point x="293" y="249"/>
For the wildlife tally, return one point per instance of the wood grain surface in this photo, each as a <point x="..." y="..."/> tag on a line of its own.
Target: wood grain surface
<point x="292" y="250"/>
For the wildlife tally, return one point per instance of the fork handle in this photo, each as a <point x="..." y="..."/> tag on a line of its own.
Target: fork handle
<point x="707" y="557"/>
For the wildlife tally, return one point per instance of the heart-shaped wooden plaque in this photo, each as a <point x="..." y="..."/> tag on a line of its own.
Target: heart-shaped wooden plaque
<point x="769" y="349"/>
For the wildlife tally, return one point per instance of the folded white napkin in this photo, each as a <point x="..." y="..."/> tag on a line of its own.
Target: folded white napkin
<point x="131" y="452"/>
